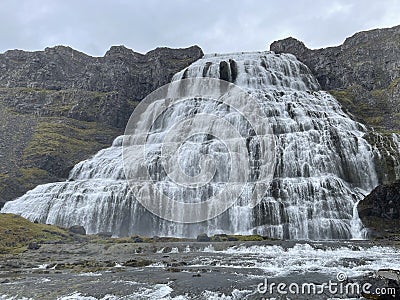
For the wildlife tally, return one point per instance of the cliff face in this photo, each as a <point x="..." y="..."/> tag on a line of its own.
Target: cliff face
<point x="380" y="211"/>
<point x="59" y="106"/>
<point x="364" y="76"/>
<point x="121" y="70"/>
<point x="363" y="73"/>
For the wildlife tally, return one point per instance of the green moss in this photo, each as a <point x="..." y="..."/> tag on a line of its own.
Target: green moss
<point x="32" y="172"/>
<point x="66" y="140"/>
<point x="247" y="238"/>
<point x="378" y="94"/>
<point x="3" y="177"/>
<point x="16" y="233"/>
<point x="3" y="182"/>
<point x="54" y="138"/>
<point x="234" y="237"/>
<point x="386" y="161"/>
<point x="30" y="177"/>
<point x="374" y="121"/>
<point x="393" y="84"/>
<point x="374" y="108"/>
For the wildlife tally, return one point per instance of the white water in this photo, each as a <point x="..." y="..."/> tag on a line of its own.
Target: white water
<point x="299" y="263"/>
<point x="277" y="261"/>
<point x="323" y="164"/>
<point x="396" y="140"/>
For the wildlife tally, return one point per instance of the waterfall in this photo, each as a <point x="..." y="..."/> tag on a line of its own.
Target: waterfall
<point x="322" y="164"/>
<point x="396" y="140"/>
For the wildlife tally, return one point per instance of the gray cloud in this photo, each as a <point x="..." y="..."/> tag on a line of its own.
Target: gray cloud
<point x="217" y="26"/>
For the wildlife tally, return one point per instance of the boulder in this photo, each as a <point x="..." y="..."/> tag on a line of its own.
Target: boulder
<point x="77" y="229"/>
<point x="387" y="281"/>
<point x="380" y="210"/>
<point x="203" y="238"/>
<point x="33" y="246"/>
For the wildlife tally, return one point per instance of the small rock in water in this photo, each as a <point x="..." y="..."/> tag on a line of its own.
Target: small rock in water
<point x="166" y="249"/>
<point x="137" y="263"/>
<point x="203" y="238"/>
<point x="78" y="229"/>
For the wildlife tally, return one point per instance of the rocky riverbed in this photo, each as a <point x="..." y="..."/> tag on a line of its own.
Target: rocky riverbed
<point x="190" y="270"/>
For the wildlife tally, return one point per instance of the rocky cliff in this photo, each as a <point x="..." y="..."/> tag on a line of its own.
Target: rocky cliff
<point x="364" y="76"/>
<point x="59" y="106"/>
<point x="380" y="211"/>
<point x="363" y="73"/>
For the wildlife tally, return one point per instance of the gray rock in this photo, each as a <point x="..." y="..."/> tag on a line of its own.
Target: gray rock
<point x="77" y="229"/>
<point x="380" y="211"/>
<point x="203" y="238"/>
<point x="33" y="246"/>
<point x="386" y="280"/>
<point x="137" y="239"/>
<point x="89" y="100"/>
<point x="369" y="59"/>
<point x="363" y="72"/>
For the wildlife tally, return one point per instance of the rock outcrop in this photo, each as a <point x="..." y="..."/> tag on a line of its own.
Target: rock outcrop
<point x="380" y="211"/>
<point x="59" y="106"/>
<point x="363" y="73"/>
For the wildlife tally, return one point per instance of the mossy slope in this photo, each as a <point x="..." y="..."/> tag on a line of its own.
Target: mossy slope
<point x="16" y="233"/>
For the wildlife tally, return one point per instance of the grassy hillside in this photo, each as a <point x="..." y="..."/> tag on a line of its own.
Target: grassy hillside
<point x="16" y="233"/>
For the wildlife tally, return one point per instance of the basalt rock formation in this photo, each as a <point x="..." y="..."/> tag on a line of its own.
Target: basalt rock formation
<point x="380" y="211"/>
<point x="363" y="73"/>
<point x="59" y="106"/>
<point x="364" y="76"/>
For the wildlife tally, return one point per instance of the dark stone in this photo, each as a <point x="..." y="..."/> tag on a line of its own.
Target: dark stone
<point x="33" y="246"/>
<point x="234" y="70"/>
<point x="206" y="68"/>
<point x="137" y="263"/>
<point x="137" y="239"/>
<point x="166" y="249"/>
<point x="380" y="210"/>
<point x="196" y="275"/>
<point x="216" y="239"/>
<point x="77" y="229"/>
<point x="203" y="238"/>
<point x="387" y="280"/>
<point x="176" y="264"/>
<point x="174" y="270"/>
<point x="362" y="73"/>
<point x="224" y="71"/>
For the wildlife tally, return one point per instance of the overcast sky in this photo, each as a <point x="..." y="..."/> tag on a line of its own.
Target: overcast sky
<point x="216" y="26"/>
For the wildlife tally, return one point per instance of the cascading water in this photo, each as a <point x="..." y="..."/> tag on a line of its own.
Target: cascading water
<point x="323" y="166"/>
<point x="396" y="141"/>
